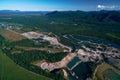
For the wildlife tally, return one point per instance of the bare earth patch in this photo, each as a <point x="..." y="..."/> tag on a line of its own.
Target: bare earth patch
<point x="41" y="49"/>
<point x="11" y="35"/>
<point x="51" y="66"/>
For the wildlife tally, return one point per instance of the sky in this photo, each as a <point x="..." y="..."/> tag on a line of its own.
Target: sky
<point x="60" y="5"/>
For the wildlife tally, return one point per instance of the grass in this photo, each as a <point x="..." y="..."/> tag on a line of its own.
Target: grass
<point x="113" y="36"/>
<point x="111" y="75"/>
<point x="10" y="71"/>
<point x="101" y="68"/>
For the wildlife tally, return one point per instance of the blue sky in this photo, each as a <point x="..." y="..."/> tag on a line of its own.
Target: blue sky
<point x="61" y="5"/>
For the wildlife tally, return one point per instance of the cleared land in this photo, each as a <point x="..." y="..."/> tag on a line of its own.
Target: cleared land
<point x="11" y="35"/>
<point x="57" y="65"/>
<point x="41" y="49"/>
<point x="10" y="71"/>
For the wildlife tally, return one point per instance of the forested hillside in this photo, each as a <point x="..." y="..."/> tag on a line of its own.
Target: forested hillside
<point x="99" y="24"/>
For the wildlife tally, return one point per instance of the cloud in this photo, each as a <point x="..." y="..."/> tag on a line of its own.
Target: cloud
<point x="106" y="7"/>
<point x="100" y="6"/>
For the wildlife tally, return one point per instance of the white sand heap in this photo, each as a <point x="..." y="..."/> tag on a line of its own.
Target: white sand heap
<point x="31" y="35"/>
<point x="81" y="52"/>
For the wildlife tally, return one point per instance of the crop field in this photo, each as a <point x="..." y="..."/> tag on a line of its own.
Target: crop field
<point x="11" y="35"/>
<point x="10" y="71"/>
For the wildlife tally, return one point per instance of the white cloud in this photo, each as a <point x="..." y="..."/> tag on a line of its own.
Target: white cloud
<point x="106" y="7"/>
<point x="101" y="6"/>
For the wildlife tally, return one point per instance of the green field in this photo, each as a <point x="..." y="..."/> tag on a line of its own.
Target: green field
<point x="113" y="36"/>
<point x="106" y="67"/>
<point x="111" y="75"/>
<point x="10" y="71"/>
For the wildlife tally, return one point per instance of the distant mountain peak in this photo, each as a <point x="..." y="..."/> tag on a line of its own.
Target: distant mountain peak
<point x="12" y="12"/>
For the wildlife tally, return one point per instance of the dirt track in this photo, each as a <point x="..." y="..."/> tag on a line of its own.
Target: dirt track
<point x="56" y="65"/>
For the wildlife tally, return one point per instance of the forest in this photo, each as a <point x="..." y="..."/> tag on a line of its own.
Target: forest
<point x="26" y="58"/>
<point x="95" y="24"/>
<point x="99" y="24"/>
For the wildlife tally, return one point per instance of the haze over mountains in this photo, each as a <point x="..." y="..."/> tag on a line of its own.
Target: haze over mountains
<point x="99" y="15"/>
<point x="5" y="12"/>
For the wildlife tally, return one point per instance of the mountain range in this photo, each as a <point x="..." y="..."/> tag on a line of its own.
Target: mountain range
<point x="14" y="12"/>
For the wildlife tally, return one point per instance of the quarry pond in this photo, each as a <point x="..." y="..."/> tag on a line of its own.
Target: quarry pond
<point x="80" y="59"/>
<point x="81" y="69"/>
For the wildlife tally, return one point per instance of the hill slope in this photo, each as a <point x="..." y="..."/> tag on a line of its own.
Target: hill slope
<point x="10" y="71"/>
